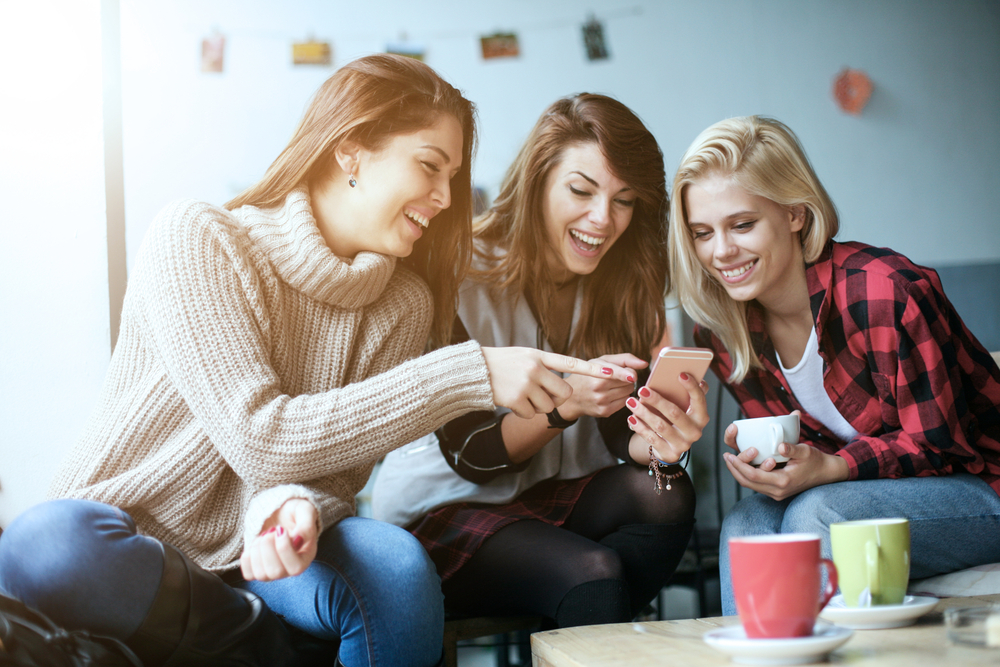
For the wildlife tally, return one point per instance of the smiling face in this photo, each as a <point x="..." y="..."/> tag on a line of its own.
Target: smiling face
<point x="586" y="209"/>
<point x="748" y="243"/>
<point x="399" y="189"/>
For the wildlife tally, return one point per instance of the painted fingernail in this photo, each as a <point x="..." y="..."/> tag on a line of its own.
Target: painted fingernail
<point x="607" y="371"/>
<point x="632" y="420"/>
<point x="297" y="541"/>
<point x="685" y="377"/>
<point x="630" y="378"/>
<point x="631" y="402"/>
<point x="281" y="531"/>
<point x="644" y="393"/>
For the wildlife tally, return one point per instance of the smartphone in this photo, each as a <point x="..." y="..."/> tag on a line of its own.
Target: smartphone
<point x="671" y="362"/>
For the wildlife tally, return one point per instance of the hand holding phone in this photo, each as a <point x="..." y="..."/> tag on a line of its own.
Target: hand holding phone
<point x="671" y="362"/>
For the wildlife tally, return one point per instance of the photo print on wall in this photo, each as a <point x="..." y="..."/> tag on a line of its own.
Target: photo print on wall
<point x="593" y="40"/>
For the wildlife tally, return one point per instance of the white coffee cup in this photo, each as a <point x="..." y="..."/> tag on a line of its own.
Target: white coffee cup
<point x="765" y="434"/>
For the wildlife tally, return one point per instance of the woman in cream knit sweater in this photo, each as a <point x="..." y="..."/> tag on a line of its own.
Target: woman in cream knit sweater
<point x="268" y="357"/>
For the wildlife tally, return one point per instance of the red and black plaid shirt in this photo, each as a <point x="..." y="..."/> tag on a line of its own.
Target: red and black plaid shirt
<point x="898" y="363"/>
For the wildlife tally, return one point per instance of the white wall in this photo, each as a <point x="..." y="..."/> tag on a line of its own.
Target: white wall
<point x="54" y="340"/>
<point x="915" y="172"/>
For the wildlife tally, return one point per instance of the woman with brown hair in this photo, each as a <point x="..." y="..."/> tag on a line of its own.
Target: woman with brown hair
<point x="268" y="358"/>
<point x="535" y="515"/>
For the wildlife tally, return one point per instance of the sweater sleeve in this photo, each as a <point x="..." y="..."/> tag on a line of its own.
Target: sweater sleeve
<point x="473" y="444"/>
<point x="202" y="303"/>
<point x="267" y="502"/>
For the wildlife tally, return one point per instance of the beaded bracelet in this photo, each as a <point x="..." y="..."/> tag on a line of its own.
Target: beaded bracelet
<point x="654" y="471"/>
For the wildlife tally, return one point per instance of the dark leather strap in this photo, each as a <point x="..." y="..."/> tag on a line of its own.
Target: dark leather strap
<point x="167" y="620"/>
<point x="178" y="659"/>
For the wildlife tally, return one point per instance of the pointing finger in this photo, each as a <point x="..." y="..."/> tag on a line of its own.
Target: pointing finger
<point x="564" y="364"/>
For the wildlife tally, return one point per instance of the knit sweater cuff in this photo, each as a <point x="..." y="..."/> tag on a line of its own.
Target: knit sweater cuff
<point x="459" y="372"/>
<point x="267" y="502"/>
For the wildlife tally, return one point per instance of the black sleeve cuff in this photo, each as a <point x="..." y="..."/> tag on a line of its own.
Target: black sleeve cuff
<point x="615" y="430"/>
<point x="473" y="446"/>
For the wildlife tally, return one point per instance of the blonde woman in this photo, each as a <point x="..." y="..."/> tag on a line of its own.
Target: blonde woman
<point x="537" y="515"/>
<point x="268" y="358"/>
<point x="898" y="400"/>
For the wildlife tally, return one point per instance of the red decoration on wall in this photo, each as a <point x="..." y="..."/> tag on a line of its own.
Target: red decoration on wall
<point x="851" y="89"/>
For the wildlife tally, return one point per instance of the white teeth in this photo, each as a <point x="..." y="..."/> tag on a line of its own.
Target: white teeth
<point x="417" y="218"/>
<point x="737" y="272"/>
<point x="591" y="240"/>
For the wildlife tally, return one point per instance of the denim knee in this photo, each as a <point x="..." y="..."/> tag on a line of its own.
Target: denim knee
<point x="414" y="600"/>
<point x="754" y="515"/>
<point x="42" y="547"/>
<point x="813" y="511"/>
<point x="411" y="566"/>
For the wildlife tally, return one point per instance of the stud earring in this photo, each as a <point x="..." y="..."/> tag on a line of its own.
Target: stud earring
<point x="352" y="182"/>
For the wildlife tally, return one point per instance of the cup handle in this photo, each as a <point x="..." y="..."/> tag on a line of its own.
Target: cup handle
<point x="871" y="560"/>
<point x="777" y="437"/>
<point x="831" y="581"/>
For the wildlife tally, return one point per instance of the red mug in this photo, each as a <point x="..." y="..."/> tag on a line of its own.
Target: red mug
<point x="776" y="581"/>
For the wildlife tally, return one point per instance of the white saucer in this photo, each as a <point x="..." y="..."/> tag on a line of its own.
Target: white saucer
<point x="733" y="642"/>
<point x="882" y="616"/>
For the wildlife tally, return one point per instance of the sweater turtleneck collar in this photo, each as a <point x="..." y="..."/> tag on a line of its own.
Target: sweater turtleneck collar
<point x="290" y="239"/>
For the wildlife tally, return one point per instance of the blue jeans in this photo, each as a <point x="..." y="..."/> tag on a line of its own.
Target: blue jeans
<point x="372" y="586"/>
<point x="954" y="520"/>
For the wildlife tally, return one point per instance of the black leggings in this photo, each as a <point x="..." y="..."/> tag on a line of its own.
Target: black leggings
<point x="618" y="548"/>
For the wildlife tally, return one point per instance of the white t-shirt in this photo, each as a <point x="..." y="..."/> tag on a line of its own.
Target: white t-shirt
<point x="806" y="382"/>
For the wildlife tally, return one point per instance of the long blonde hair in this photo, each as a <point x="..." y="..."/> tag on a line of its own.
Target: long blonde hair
<point x="764" y="158"/>
<point x="623" y="306"/>
<point x="368" y="101"/>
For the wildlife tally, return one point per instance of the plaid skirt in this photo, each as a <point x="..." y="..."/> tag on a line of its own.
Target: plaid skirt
<point x="453" y="533"/>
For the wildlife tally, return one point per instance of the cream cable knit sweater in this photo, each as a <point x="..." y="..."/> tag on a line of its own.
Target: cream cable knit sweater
<point x="253" y="366"/>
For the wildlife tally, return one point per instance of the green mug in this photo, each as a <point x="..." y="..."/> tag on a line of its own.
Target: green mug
<point x="873" y="560"/>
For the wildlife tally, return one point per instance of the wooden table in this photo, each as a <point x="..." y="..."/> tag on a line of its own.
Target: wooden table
<point x="680" y="643"/>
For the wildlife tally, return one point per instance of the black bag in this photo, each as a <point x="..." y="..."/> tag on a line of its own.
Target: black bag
<point x="30" y="638"/>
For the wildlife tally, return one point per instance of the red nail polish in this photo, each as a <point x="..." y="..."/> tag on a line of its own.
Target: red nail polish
<point x="631" y="402"/>
<point x="607" y="371"/>
<point x="630" y="378"/>
<point x="644" y="393"/>
<point x="297" y="541"/>
<point x="632" y="420"/>
<point x="281" y="531"/>
<point x="685" y="377"/>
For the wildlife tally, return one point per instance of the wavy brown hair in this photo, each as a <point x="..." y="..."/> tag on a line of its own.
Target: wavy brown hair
<point x="763" y="157"/>
<point x="369" y="101"/>
<point x="623" y="305"/>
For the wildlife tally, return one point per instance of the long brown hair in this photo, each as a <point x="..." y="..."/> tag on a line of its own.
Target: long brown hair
<point x="368" y="101"/>
<point x="763" y="157"/>
<point x="623" y="305"/>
